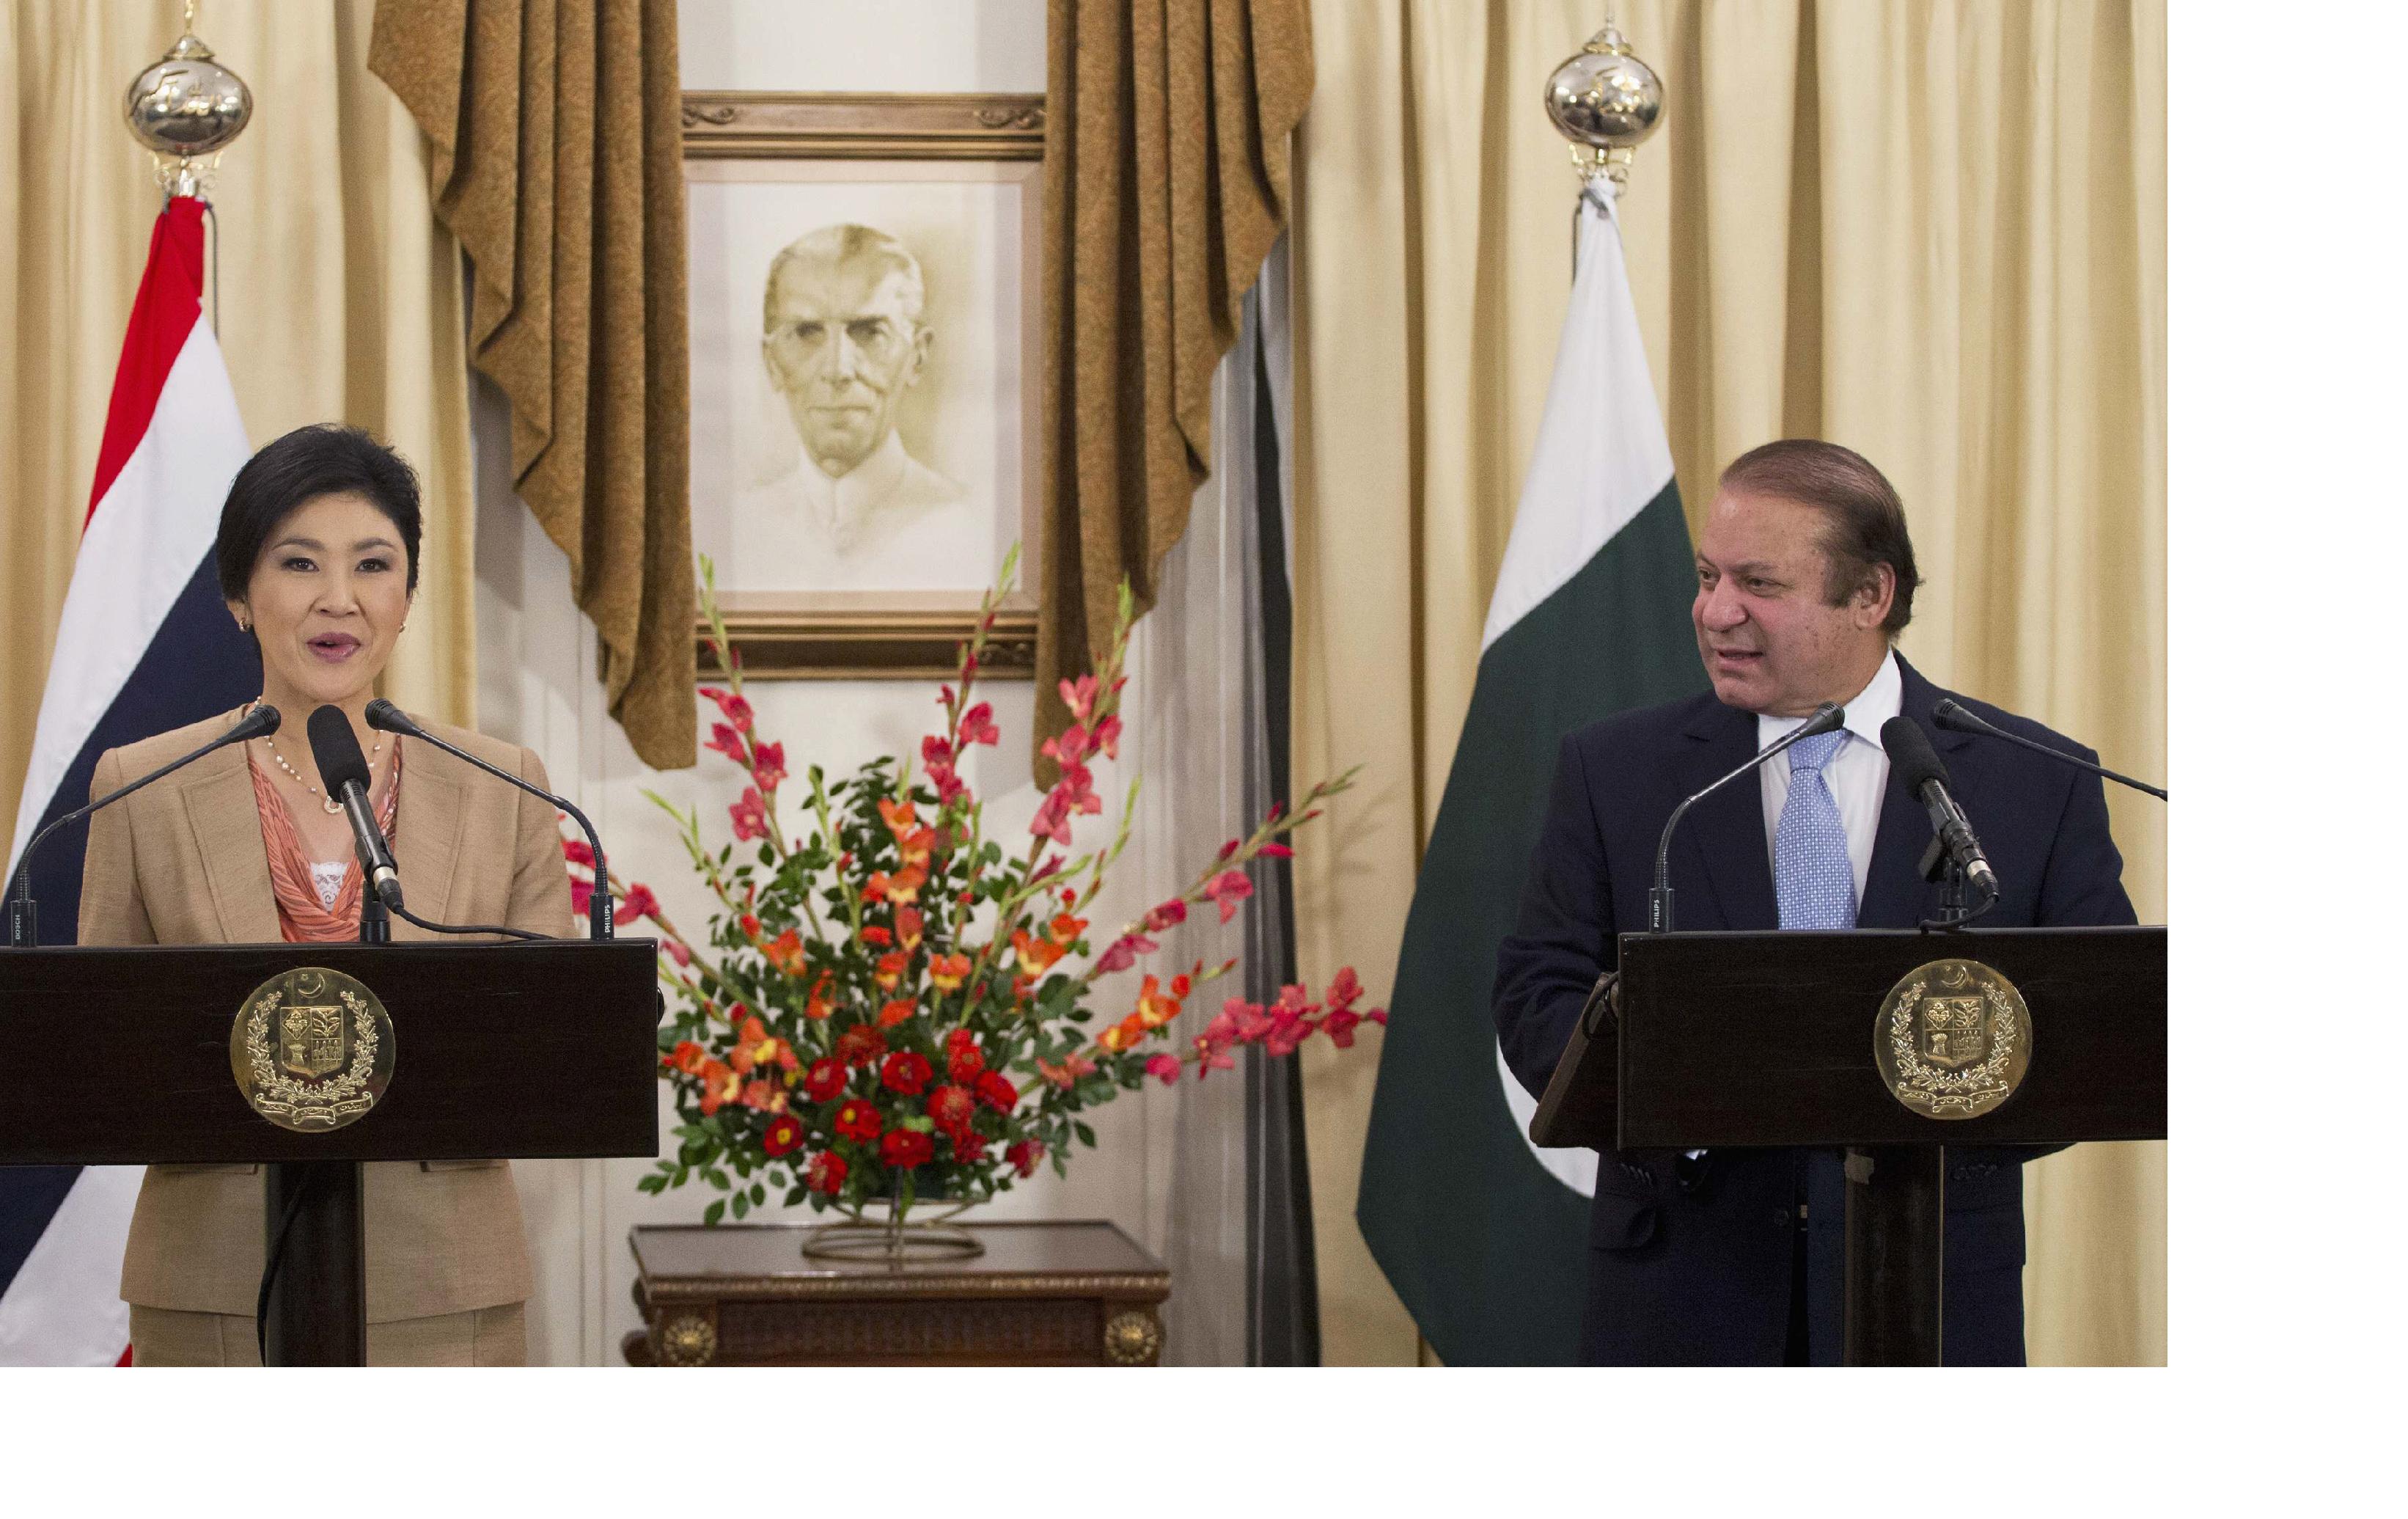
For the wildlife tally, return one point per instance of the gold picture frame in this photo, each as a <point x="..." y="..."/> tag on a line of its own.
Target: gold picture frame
<point x="733" y="139"/>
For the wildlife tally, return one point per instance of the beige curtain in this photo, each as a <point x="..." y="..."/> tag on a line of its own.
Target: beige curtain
<point x="1932" y="231"/>
<point x="337" y="297"/>
<point x="1166" y="143"/>
<point x="558" y="160"/>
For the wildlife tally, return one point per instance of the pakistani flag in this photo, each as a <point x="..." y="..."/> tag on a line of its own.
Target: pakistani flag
<point x="1482" y="1234"/>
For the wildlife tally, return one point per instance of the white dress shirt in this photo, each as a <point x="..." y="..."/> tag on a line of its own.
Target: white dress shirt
<point x="1857" y="771"/>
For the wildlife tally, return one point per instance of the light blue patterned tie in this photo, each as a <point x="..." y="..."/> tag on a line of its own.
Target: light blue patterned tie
<point x="1811" y="876"/>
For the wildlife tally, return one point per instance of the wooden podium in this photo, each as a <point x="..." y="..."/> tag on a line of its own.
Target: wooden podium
<point x="124" y="1056"/>
<point x="1719" y="1040"/>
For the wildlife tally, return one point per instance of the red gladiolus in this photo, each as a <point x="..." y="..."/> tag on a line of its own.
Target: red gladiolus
<point x="825" y="1080"/>
<point x="676" y="952"/>
<point x="749" y="817"/>
<point x="1165" y="1068"/>
<point x="905" y="1148"/>
<point x="860" y="1044"/>
<point x="768" y="766"/>
<point x="978" y="724"/>
<point x="951" y="1106"/>
<point x="1344" y="989"/>
<point x="1108" y="736"/>
<point x="577" y="852"/>
<point x="1024" y="1155"/>
<point x="727" y="741"/>
<point x="783" y="1135"/>
<point x="1169" y="914"/>
<point x="733" y="707"/>
<point x="905" y="1071"/>
<point x="640" y="903"/>
<point x="859" y="1120"/>
<point x="995" y="1090"/>
<point x="825" y="1172"/>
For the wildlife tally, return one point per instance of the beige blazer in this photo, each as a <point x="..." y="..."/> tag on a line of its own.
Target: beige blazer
<point x="183" y="862"/>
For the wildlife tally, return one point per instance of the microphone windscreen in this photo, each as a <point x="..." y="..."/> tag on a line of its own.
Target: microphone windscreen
<point x="386" y="717"/>
<point x="1912" y="761"/>
<point x="258" y="722"/>
<point x="337" y="750"/>
<point x="1956" y="719"/>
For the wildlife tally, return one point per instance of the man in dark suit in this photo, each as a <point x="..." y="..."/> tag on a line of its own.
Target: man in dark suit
<point x="1805" y="575"/>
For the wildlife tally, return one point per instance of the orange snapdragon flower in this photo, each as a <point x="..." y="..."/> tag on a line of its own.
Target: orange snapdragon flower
<point x="946" y="972"/>
<point x="785" y="952"/>
<point x="897" y="1011"/>
<point x="908" y="924"/>
<point x="891" y="966"/>
<point x="819" y="1005"/>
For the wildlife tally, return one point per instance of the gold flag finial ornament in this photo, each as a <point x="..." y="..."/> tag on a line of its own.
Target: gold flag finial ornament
<point x="185" y="108"/>
<point x="1607" y="102"/>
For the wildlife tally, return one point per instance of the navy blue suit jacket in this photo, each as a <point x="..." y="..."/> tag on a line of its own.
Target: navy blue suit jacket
<point x="1691" y="1264"/>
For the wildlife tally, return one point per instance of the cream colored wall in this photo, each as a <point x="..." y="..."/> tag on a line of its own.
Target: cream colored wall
<point x="537" y="684"/>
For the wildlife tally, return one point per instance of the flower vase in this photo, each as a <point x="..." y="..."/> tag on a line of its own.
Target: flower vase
<point x="898" y="1240"/>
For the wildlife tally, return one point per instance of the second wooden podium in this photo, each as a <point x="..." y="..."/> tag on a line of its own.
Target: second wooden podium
<point x="314" y="1058"/>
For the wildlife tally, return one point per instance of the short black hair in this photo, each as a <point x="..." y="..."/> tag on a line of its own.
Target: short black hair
<point x="1864" y="521"/>
<point x="327" y="459"/>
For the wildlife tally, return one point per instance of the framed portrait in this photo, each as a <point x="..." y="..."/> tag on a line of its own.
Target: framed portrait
<point x="864" y="322"/>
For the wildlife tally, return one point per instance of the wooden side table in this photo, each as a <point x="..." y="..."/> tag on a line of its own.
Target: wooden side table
<point x="1042" y="1294"/>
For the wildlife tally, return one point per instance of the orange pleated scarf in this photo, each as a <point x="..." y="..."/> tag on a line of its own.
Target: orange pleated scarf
<point x="298" y="913"/>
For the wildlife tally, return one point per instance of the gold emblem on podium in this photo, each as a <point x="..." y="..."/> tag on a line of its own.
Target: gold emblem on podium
<point x="1953" y="1038"/>
<point x="312" y="1050"/>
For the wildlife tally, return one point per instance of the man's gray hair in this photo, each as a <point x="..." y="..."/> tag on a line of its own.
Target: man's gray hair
<point x="839" y="244"/>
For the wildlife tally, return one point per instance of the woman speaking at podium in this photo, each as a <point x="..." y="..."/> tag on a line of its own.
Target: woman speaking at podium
<point x="317" y="553"/>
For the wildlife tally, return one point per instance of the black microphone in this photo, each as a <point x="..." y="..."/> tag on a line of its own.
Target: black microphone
<point x="1955" y="718"/>
<point x="1914" y="765"/>
<point x="261" y="720"/>
<point x="1826" y="718"/>
<point x="386" y="717"/>
<point x="344" y="770"/>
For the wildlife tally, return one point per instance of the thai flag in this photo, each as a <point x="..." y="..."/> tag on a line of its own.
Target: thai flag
<point x="144" y="645"/>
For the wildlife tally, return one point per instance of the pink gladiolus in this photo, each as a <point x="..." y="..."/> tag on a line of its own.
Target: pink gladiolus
<point x="751" y="820"/>
<point x="934" y="750"/>
<point x="580" y="896"/>
<point x="640" y="903"/>
<point x="978" y="724"/>
<point x="1211" y="1057"/>
<point x="1169" y="914"/>
<point x="1079" y="696"/>
<point x="727" y="741"/>
<point x="1344" y="990"/>
<point x="1163" y="1068"/>
<point x="577" y="852"/>
<point x="676" y="952"/>
<point x="1229" y="888"/>
<point x="1124" y="954"/>
<point x="768" y="766"/>
<point x="1068" y="746"/>
<point x="1339" y="1023"/>
<point x="1277" y="851"/>
<point x="1226" y="849"/>
<point x="1287" y="1031"/>
<point x="1053" y="820"/>
<point x="1108" y="736"/>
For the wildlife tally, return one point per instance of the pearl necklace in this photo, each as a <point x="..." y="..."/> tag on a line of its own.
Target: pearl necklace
<point x="334" y="807"/>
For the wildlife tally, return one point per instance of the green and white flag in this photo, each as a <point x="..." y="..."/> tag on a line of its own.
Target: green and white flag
<point x="1482" y="1234"/>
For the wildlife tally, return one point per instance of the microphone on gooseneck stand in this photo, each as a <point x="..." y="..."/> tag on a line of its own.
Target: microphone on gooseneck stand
<point x="1955" y="718"/>
<point x="1914" y="765"/>
<point x="345" y="772"/>
<point x="1826" y="718"/>
<point x="23" y="912"/>
<point x="386" y="717"/>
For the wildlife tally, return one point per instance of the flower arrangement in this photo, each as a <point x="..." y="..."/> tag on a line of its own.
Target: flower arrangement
<point x="893" y="1006"/>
